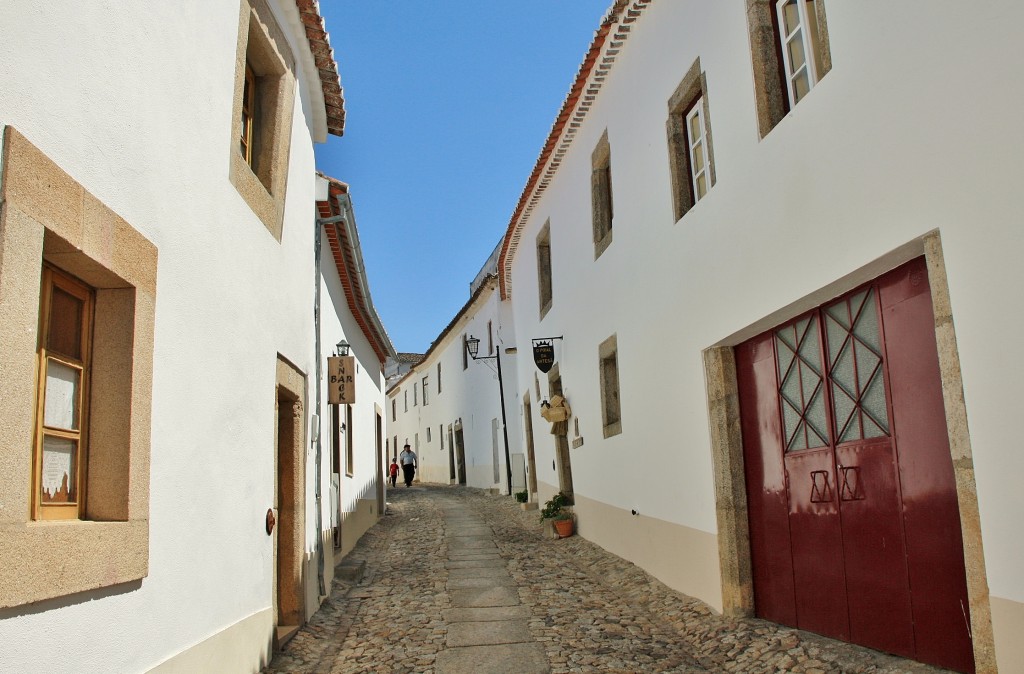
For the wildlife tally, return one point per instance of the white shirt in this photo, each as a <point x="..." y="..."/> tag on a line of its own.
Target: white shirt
<point x="407" y="456"/>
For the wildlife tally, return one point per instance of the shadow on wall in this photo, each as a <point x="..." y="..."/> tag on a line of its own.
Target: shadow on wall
<point x="69" y="600"/>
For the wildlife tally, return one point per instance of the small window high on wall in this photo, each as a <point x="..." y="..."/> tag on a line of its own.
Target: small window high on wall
<point x="789" y="45"/>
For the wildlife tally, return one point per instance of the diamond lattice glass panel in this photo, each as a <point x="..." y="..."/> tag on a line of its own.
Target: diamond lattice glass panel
<point x="871" y="429"/>
<point x="789" y="334"/>
<point x="867" y="363"/>
<point x="843" y="407"/>
<point x="810" y="349"/>
<point x="840" y="311"/>
<point x="791" y="388"/>
<point x="791" y="419"/>
<point x="852" y="430"/>
<point x="799" y="439"/>
<point x="60" y="409"/>
<point x="873" y="401"/>
<point x="785" y="356"/>
<point x="809" y="381"/>
<point x="867" y="325"/>
<point x="817" y="421"/>
<point x="836" y="334"/>
<point x="57" y="473"/>
<point x="842" y="370"/>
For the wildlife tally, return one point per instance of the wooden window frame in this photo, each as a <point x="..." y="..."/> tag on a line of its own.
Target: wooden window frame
<point x="424" y="386"/>
<point x="335" y="439"/>
<point x="611" y="399"/>
<point x="349" y="449"/>
<point x="602" y="203"/>
<point x="249" y="119"/>
<point x="52" y="279"/>
<point x="544" y="270"/>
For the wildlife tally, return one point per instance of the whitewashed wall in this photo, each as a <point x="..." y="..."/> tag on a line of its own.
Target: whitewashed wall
<point x="914" y="129"/>
<point x="470" y="394"/>
<point x="135" y="102"/>
<point x="337" y="322"/>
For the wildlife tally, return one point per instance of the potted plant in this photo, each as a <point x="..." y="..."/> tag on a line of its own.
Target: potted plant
<point x="561" y="518"/>
<point x="522" y="496"/>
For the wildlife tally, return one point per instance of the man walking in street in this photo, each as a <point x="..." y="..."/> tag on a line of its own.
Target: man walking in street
<point x="408" y="460"/>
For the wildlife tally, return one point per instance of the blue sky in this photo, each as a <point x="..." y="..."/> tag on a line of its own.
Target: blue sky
<point x="448" y="105"/>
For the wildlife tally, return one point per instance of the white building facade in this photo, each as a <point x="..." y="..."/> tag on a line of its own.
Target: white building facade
<point x="777" y="286"/>
<point x="448" y="406"/>
<point x="158" y="506"/>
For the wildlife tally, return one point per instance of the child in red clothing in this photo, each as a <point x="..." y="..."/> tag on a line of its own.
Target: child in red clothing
<point x="393" y="472"/>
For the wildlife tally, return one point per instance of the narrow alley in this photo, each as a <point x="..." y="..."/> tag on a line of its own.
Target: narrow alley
<point x="457" y="580"/>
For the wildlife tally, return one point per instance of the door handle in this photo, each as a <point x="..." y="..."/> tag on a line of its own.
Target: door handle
<point x="850" y="487"/>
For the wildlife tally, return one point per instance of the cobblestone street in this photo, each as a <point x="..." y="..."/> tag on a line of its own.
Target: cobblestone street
<point x="457" y="580"/>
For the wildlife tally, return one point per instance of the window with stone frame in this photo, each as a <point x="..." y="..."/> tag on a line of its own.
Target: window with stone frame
<point x="76" y="327"/>
<point x="691" y="155"/>
<point x="602" y="205"/>
<point x="789" y="45"/>
<point x="608" y="359"/>
<point x="425" y="387"/>
<point x="544" y="269"/>
<point x="415" y="394"/>
<point x="439" y="378"/>
<point x="262" y="114"/>
<point x="465" y="352"/>
<point x="394" y="410"/>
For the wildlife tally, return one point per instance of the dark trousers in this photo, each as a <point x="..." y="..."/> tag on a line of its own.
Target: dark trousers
<point x="393" y="479"/>
<point x="408" y="470"/>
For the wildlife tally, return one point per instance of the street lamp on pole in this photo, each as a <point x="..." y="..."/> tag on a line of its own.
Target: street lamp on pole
<point x="473" y="347"/>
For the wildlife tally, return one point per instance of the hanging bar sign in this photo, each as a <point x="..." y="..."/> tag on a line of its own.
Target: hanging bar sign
<point x="341" y="380"/>
<point x="544" y="355"/>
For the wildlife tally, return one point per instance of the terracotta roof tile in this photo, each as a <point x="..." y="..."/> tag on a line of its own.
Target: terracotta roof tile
<point x="574" y="110"/>
<point x="323" y="55"/>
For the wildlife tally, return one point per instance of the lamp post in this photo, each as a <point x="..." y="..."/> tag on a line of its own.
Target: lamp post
<point x="341" y="349"/>
<point x="473" y="346"/>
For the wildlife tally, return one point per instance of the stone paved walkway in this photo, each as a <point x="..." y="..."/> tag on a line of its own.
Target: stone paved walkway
<point x="461" y="581"/>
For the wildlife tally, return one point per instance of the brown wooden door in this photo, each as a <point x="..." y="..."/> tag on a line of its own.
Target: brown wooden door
<point x="849" y="478"/>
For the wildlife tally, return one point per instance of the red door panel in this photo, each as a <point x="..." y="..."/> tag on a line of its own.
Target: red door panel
<point x="931" y="514"/>
<point x="817" y="544"/>
<point x="855" y="531"/>
<point x="874" y="554"/>
<point x="767" y="504"/>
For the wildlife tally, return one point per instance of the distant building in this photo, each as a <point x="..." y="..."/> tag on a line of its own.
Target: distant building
<point x="448" y="406"/>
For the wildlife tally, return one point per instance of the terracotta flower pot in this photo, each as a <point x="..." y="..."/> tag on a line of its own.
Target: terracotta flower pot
<point x="563" y="527"/>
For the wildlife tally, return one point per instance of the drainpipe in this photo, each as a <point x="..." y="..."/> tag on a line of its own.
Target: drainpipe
<point x="317" y="237"/>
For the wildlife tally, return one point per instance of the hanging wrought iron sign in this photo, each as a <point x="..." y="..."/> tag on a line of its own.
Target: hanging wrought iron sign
<point x="544" y="353"/>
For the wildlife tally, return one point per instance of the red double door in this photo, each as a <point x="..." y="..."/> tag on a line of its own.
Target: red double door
<point x="854" y="522"/>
